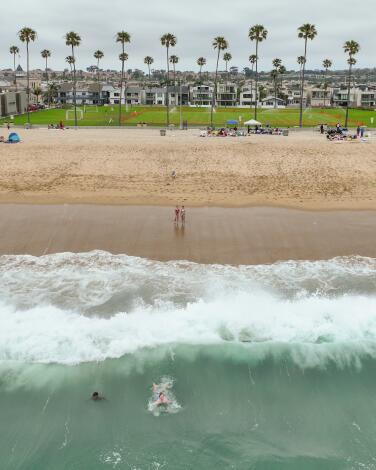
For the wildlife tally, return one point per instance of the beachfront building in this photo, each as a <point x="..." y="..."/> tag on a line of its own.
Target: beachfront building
<point x="271" y="102"/>
<point x="178" y="95"/>
<point x="201" y="95"/>
<point x="13" y="102"/>
<point x="293" y="98"/>
<point x="247" y="95"/>
<point x="86" y="94"/>
<point x="155" y="96"/>
<point x="360" y="97"/>
<point x="319" y="97"/>
<point x="227" y="94"/>
<point x="340" y="96"/>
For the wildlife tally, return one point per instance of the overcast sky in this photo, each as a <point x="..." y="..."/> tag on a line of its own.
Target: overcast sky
<point x="195" y="23"/>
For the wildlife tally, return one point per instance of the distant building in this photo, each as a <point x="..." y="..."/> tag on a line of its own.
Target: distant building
<point x="201" y="95"/>
<point x="226" y="94"/>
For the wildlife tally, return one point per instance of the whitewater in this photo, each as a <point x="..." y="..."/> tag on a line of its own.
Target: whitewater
<point x="273" y="365"/>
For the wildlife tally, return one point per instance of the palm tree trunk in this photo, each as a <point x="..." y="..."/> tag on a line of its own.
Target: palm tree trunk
<point x="167" y="96"/>
<point x="48" y="97"/>
<point x="275" y="93"/>
<point x="121" y="85"/>
<point x="325" y="84"/>
<point x="14" y="68"/>
<point x="348" y="97"/>
<point x="175" y="85"/>
<point x="99" y="91"/>
<point x="250" y="105"/>
<point x="74" y="88"/>
<point x="215" y="90"/>
<point x="200" y="74"/>
<point x="28" y="82"/>
<point x="302" y="85"/>
<point x="256" y="90"/>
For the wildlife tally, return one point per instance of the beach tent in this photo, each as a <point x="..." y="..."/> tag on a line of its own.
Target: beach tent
<point x="252" y="122"/>
<point x="232" y="122"/>
<point x="14" y="138"/>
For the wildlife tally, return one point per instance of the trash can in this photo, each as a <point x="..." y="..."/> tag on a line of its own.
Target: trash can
<point x="285" y="132"/>
<point x="163" y="132"/>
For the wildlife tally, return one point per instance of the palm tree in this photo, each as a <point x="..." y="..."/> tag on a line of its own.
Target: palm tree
<point x="252" y="60"/>
<point x="14" y="51"/>
<point x="73" y="40"/>
<point x="258" y="34"/>
<point x="201" y="61"/>
<point x="306" y="31"/>
<point x="148" y="61"/>
<point x="98" y="55"/>
<point x="351" y="48"/>
<point x="327" y="63"/>
<point x="277" y="64"/>
<point x="123" y="37"/>
<point x="227" y="57"/>
<point x="27" y="35"/>
<point x="220" y="44"/>
<point x="168" y="40"/>
<point x="70" y="60"/>
<point x="37" y="92"/>
<point x="123" y="57"/>
<point x="174" y="59"/>
<point x="45" y="55"/>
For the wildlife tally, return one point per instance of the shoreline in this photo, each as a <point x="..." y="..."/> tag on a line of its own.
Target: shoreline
<point x="212" y="235"/>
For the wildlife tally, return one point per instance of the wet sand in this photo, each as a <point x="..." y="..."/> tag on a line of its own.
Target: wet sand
<point x="211" y="235"/>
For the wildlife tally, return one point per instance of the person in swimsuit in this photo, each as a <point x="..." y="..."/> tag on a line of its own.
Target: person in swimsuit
<point x="162" y="400"/>
<point x="182" y="215"/>
<point x="177" y="214"/>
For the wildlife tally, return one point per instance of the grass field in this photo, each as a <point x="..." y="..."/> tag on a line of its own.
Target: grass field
<point x="156" y="116"/>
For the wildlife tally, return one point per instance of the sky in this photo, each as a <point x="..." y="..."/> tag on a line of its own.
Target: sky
<point x="195" y="23"/>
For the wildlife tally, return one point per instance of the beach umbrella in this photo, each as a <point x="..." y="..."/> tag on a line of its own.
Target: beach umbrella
<point x="252" y="122"/>
<point x="232" y="122"/>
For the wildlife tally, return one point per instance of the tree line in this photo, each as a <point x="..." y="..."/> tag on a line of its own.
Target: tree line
<point x="256" y="34"/>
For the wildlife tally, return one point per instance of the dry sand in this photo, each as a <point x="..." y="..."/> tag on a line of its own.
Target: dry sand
<point x="110" y="166"/>
<point x="211" y="235"/>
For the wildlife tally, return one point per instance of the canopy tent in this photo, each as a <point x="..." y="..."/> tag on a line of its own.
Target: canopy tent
<point x="14" y="138"/>
<point x="252" y="122"/>
<point x="232" y="122"/>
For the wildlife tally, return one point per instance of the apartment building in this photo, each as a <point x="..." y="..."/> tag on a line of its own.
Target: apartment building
<point x="201" y="95"/>
<point x="227" y="94"/>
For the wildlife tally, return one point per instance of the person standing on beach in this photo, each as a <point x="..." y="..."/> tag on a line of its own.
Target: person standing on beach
<point x="177" y="214"/>
<point x="182" y="215"/>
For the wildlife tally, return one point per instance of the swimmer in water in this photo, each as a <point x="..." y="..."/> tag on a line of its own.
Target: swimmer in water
<point x="96" y="397"/>
<point x="162" y="400"/>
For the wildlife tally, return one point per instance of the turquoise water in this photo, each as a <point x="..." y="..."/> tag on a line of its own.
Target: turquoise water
<point x="273" y="367"/>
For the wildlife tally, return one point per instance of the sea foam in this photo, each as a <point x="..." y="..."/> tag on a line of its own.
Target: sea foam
<point x="74" y="308"/>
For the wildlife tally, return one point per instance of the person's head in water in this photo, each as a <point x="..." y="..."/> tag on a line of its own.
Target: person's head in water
<point x="95" y="396"/>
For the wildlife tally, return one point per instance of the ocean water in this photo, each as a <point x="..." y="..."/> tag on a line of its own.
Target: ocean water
<point x="266" y="367"/>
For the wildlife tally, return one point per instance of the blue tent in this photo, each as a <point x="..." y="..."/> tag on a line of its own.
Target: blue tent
<point x="232" y="122"/>
<point x="14" y="138"/>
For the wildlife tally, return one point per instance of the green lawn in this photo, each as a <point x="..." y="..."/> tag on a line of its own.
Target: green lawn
<point x="156" y="116"/>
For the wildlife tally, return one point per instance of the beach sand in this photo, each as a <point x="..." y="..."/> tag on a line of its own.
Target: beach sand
<point x="133" y="166"/>
<point x="211" y="235"/>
